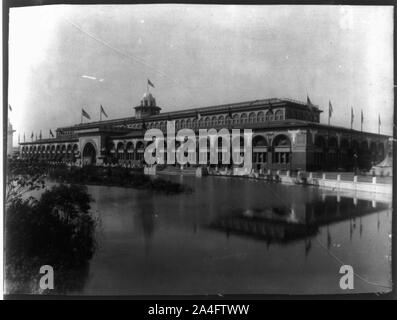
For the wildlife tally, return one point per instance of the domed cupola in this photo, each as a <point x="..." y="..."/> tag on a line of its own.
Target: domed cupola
<point x="147" y="107"/>
<point x="148" y="100"/>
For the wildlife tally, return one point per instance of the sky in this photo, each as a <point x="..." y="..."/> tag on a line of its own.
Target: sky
<point x="65" y="58"/>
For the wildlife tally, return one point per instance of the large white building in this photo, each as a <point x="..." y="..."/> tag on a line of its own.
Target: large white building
<point x="287" y="135"/>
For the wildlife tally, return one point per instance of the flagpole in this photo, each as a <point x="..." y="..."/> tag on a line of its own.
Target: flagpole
<point x="100" y="113"/>
<point x="362" y="120"/>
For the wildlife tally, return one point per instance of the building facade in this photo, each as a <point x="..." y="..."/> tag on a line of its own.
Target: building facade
<point x="10" y="138"/>
<point x="287" y="135"/>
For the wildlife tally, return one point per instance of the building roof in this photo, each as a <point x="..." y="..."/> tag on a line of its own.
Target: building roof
<point x="203" y="111"/>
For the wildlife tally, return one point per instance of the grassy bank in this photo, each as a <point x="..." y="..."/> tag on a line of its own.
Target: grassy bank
<point x="95" y="175"/>
<point x="114" y="176"/>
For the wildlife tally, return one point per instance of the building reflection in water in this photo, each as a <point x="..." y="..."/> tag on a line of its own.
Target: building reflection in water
<point x="284" y="225"/>
<point x="146" y="218"/>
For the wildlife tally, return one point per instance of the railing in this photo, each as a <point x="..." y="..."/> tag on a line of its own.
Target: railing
<point x="341" y="176"/>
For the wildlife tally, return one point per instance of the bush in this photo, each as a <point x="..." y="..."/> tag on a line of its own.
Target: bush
<point x="56" y="230"/>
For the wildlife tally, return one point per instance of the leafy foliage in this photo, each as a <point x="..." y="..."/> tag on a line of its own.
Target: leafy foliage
<point x="23" y="178"/>
<point x="54" y="229"/>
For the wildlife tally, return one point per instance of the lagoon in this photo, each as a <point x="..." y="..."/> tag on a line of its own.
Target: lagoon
<point x="236" y="236"/>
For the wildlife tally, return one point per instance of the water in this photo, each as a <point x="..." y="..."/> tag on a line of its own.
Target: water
<point x="237" y="236"/>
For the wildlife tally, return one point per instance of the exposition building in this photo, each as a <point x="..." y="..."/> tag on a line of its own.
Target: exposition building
<point x="287" y="135"/>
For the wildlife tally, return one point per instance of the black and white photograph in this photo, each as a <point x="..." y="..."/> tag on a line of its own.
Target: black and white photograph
<point x="198" y="150"/>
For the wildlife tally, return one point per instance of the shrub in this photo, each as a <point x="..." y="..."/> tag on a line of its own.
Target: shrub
<point x="56" y="230"/>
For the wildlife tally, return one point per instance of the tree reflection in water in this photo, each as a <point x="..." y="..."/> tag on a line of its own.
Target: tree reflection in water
<point x="146" y="218"/>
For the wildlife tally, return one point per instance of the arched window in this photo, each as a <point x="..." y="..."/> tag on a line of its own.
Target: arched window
<point x="259" y="152"/>
<point x="200" y="123"/>
<point x="52" y="155"/>
<point x="140" y="148"/>
<point x="120" y="151"/>
<point x="214" y="121"/>
<point x="130" y="151"/>
<point x="261" y="116"/>
<point x="252" y="117"/>
<point x="269" y="115"/>
<point x="221" y="120"/>
<point x="278" y="115"/>
<point x="281" y="151"/>
<point x="244" y="118"/>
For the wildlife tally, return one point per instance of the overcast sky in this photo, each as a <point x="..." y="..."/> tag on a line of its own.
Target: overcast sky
<point x="64" y="58"/>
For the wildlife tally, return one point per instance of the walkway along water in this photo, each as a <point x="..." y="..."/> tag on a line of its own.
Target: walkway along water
<point x="332" y="180"/>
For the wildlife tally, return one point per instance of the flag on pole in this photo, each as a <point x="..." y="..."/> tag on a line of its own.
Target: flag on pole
<point x="330" y="109"/>
<point x="351" y="118"/>
<point x="85" y="114"/>
<point x="150" y="83"/>
<point x="309" y="103"/>
<point x="103" y="112"/>
<point x="312" y="108"/>
<point x="379" y="123"/>
<point x="51" y="134"/>
<point x="40" y="135"/>
<point x="9" y="107"/>
<point x="362" y="119"/>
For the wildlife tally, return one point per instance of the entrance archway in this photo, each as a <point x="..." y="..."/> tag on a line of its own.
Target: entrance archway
<point x="259" y="152"/>
<point x="89" y="154"/>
